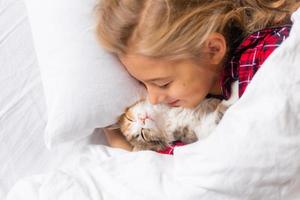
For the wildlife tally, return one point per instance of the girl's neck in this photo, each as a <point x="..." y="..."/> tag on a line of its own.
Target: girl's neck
<point x="216" y="90"/>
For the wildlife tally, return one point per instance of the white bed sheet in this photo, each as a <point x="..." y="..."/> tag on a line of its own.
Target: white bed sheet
<point x="22" y="104"/>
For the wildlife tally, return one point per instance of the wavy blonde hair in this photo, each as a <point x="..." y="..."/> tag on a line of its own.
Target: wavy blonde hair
<point x="177" y="29"/>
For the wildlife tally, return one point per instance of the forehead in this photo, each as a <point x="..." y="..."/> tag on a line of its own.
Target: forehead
<point x="145" y="68"/>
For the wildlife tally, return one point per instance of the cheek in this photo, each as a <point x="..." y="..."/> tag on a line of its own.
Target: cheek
<point x="190" y="94"/>
<point x="181" y="91"/>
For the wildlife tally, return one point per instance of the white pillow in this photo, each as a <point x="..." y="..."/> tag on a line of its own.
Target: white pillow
<point x="85" y="87"/>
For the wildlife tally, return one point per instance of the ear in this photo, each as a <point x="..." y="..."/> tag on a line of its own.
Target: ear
<point x="215" y="46"/>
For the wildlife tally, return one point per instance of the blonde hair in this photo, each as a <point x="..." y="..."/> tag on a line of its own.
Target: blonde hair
<point x="177" y="29"/>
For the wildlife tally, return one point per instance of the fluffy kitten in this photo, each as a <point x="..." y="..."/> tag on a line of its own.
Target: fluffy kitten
<point x="154" y="127"/>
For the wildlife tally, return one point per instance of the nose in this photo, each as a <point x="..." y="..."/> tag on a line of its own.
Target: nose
<point x="155" y="96"/>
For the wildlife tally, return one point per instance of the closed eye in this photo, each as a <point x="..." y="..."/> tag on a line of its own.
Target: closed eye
<point x="128" y="118"/>
<point x="143" y="134"/>
<point x="166" y="85"/>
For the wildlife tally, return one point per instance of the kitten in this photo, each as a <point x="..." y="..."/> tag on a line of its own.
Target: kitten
<point x="154" y="127"/>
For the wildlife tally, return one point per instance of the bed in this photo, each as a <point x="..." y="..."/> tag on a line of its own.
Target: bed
<point x="254" y="159"/>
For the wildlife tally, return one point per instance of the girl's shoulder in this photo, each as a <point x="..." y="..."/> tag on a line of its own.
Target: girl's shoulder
<point x="249" y="56"/>
<point x="273" y="36"/>
<point x="255" y="49"/>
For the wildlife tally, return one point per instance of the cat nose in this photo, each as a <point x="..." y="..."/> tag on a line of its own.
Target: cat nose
<point x="143" y="118"/>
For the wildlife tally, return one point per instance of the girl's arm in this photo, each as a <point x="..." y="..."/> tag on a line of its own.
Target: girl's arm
<point x="116" y="139"/>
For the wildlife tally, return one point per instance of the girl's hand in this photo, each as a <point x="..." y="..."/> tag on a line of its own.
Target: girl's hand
<point x="116" y="139"/>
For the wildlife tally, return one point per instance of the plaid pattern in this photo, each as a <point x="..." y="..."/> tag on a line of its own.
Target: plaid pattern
<point x="249" y="56"/>
<point x="245" y="62"/>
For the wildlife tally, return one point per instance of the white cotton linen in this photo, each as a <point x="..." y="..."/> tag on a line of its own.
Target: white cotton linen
<point x="253" y="154"/>
<point x="85" y="87"/>
<point x="22" y="104"/>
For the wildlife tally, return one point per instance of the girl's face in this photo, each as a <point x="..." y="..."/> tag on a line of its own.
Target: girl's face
<point x="176" y="83"/>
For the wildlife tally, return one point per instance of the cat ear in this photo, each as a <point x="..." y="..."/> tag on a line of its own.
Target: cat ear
<point x="113" y="127"/>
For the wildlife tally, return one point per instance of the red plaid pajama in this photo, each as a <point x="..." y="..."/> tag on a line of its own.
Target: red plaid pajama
<point x="250" y="55"/>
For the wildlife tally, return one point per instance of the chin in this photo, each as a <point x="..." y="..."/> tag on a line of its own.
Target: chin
<point x="188" y="107"/>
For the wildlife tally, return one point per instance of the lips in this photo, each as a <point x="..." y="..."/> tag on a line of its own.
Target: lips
<point x="173" y="103"/>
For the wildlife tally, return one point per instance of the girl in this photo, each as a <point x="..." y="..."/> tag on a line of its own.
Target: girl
<point x="186" y="50"/>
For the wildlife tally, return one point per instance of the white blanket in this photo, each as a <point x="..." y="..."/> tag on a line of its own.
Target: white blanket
<point x="253" y="154"/>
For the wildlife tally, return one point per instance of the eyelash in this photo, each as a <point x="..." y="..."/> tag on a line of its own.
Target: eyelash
<point x="160" y="86"/>
<point x="165" y="85"/>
